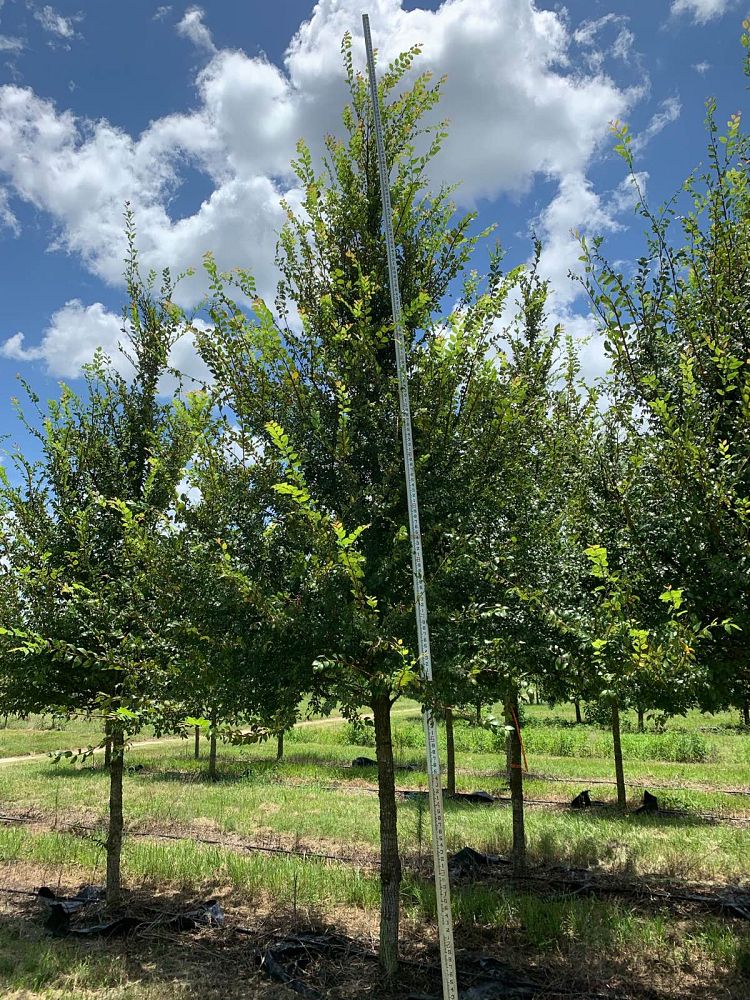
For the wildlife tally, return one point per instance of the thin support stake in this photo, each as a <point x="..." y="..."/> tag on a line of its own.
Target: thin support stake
<point x="439" y="851"/>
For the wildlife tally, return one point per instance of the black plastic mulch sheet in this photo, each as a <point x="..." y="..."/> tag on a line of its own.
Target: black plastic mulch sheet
<point x="60" y="909"/>
<point x="474" y="798"/>
<point x="486" y="978"/>
<point x="288" y="959"/>
<point x="467" y="861"/>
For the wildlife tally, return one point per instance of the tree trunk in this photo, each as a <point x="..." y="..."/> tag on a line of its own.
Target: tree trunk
<point x="508" y="745"/>
<point x="577" y="704"/>
<point x="746" y="713"/>
<point x="390" y="862"/>
<point x="114" y="834"/>
<point x="619" y="773"/>
<point x="479" y="713"/>
<point x="212" y="748"/>
<point x="641" y="714"/>
<point x="107" y="744"/>
<point x="516" y="785"/>
<point x="450" y="761"/>
<point x="280" y="745"/>
<point x="197" y="743"/>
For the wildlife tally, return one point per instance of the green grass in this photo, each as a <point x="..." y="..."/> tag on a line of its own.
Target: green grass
<point x="675" y="745"/>
<point x="36" y="966"/>
<point x="561" y="928"/>
<point x="714" y="775"/>
<point x="259" y="800"/>
<point x="47" y="733"/>
<point x="186" y="866"/>
<point x="563" y="714"/>
<point x="694" y="738"/>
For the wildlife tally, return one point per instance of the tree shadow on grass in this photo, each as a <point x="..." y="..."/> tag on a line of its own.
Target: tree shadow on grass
<point x="211" y="963"/>
<point x="606" y="812"/>
<point x="569" y="949"/>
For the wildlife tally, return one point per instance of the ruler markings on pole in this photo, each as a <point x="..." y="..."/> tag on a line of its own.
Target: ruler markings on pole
<point x="439" y="849"/>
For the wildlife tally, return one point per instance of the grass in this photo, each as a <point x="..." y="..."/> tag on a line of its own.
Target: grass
<point x="693" y="738"/>
<point x="680" y="746"/>
<point x="314" y="800"/>
<point x="557" y="929"/>
<point x="47" y="733"/>
<point x="259" y="800"/>
<point x="32" y="967"/>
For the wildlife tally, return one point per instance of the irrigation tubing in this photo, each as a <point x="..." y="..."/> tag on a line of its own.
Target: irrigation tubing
<point x="533" y="776"/>
<point x="576" y="780"/>
<point x="18" y="892"/>
<point x="79" y="828"/>
<point x="716" y="819"/>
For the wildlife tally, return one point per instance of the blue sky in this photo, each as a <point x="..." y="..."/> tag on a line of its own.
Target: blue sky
<point x="191" y="113"/>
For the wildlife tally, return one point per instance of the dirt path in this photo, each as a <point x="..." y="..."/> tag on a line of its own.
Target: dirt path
<point x="164" y="740"/>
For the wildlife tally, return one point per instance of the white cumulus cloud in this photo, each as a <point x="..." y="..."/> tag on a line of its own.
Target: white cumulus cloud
<point x="76" y="331"/>
<point x="70" y="340"/>
<point x="589" y="36"/>
<point x="669" y="111"/>
<point x="10" y="43"/>
<point x="578" y="210"/>
<point x="55" y="23"/>
<point x="7" y="217"/>
<point x="518" y="102"/>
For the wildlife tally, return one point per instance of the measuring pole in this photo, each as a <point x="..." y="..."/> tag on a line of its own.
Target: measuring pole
<point x="439" y="852"/>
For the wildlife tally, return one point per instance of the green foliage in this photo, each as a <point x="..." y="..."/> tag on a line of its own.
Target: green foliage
<point x="81" y="533"/>
<point x="677" y="335"/>
<point x="315" y="375"/>
<point x="358" y="733"/>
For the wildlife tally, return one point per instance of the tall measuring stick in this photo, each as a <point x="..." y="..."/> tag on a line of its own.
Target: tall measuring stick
<point x="439" y="852"/>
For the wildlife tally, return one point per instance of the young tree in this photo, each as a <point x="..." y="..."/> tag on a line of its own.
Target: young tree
<point x="233" y="594"/>
<point x="79" y="536"/>
<point x="514" y="548"/>
<point x="626" y="654"/>
<point x="319" y="368"/>
<point x="678" y="333"/>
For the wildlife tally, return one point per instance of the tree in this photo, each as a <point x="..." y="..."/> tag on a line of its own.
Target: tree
<point x="678" y="334"/>
<point x="625" y="638"/>
<point x="81" y="537"/>
<point x="233" y="589"/>
<point x="626" y="654"/>
<point x="509" y="566"/>
<point x="319" y="370"/>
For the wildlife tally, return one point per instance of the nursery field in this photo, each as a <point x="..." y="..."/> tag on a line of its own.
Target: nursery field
<point x="238" y="515"/>
<point x="616" y="905"/>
